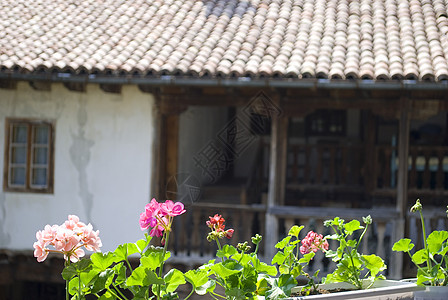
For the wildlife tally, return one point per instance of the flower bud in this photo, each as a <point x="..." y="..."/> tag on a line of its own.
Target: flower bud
<point x="367" y="220"/>
<point x="211" y="236"/>
<point x="256" y="239"/>
<point x="328" y="223"/>
<point x="243" y="247"/>
<point x="229" y="233"/>
<point x="417" y="206"/>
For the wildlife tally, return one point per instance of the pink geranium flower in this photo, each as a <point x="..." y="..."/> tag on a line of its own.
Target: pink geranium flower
<point x="216" y="224"/>
<point x="40" y="252"/>
<point x="159" y="216"/>
<point x="172" y="209"/>
<point x="67" y="239"/>
<point x="148" y="218"/>
<point x="313" y="242"/>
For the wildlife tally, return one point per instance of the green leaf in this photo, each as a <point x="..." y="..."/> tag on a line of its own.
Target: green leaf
<point x="235" y="293"/>
<point x="107" y="296"/>
<point x="420" y="257"/>
<point x="307" y="258"/>
<point x="102" y="261"/>
<point x="262" y="286"/>
<point x="103" y="281"/>
<point x="88" y="276"/>
<point x="231" y="267"/>
<point x="335" y="222"/>
<point x="374" y="263"/>
<point x="73" y="286"/>
<point x="282" y="244"/>
<point x="173" y="279"/>
<point x="281" y="287"/>
<point x="140" y="293"/>
<point x="262" y="267"/>
<point x="242" y="258"/>
<point x="423" y="278"/>
<point x="153" y="258"/>
<point x="120" y="270"/>
<point x="296" y="271"/>
<point x="295" y="231"/>
<point x="83" y="264"/>
<point x="352" y="226"/>
<point x="226" y="251"/>
<point x="435" y="241"/>
<point x="284" y="269"/>
<point x="404" y="245"/>
<point x="143" y="277"/>
<point x="352" y="243"/>
<point x="330" y="253"/>
<point x="332" y="236"/>
<point x="278" y="258"/>
<point x="207" y="287"/>
<point x="143" y="243"/>
<point x="69" y="272"/>
<point x="196" y="277"/>
<point x="123" y="251"/>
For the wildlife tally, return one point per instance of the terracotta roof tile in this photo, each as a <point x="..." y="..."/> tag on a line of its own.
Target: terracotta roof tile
<point x="370" y="39"/>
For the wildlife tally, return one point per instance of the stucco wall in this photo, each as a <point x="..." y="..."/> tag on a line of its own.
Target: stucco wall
<point x="103" y="157"/>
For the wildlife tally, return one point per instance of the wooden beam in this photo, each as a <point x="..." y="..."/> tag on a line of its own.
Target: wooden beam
<point x="8" y="84"/>
<point x="41" y="85"/>
<point x="166" y="153"/>
<point x="277" y="179"/>
<point x="403" y="154"/>
<point x="370" y="135"/>
<point x="396" y="270"/>
<point x="111" y="88"/>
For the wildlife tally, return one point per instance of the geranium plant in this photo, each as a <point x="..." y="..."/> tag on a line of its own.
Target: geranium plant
<point x="110" y="275"/>
<point x="291" y="265"/>
<point x="431" y="261"/>
<point x="237" y="271"/>
<point x="353" y="267"/>
<point x="67" y="239"/>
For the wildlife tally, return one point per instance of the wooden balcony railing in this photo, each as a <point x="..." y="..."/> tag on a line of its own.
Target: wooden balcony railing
<point x="189" y="246"/>
<point x="377" y="240"/>
<point x="325" y="164"/>
<point x="427" y="169"/>
<point x="189" y="239"/>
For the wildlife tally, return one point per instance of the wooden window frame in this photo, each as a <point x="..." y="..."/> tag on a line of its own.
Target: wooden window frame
<point x="327" y="116"/>
<point x="29" y="163"/>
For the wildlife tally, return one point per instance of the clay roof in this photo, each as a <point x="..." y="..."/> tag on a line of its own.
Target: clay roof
<point x="335" y="39"/>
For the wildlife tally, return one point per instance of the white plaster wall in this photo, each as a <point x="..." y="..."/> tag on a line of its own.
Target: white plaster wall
<point x="103" y="157"/>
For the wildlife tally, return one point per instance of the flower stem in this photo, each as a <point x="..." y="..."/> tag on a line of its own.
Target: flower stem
<point x="114" y="294"/>
<point x="167" y="237"/>
<point x="67" y="296"/>
<point x="219" y="248"/>
<point x="191" y="293"/>
<point x="428" y="261"/>
<point x="362" y="235"/>
<point x="118" y="290"/>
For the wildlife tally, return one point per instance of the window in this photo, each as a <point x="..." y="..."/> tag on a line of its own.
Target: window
<point x="326" y="122"/>
<point x="29" y="156"/>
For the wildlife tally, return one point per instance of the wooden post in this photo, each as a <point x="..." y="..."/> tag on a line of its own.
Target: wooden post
<point x="277" y="179"/>
<point x="396" y="271"/>
<point x="370" y="173"/>
<point x="166" y="154"/>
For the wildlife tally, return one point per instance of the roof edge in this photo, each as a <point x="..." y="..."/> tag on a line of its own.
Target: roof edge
<point x="169" y="80"/>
